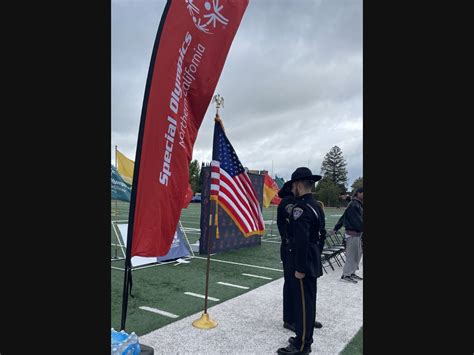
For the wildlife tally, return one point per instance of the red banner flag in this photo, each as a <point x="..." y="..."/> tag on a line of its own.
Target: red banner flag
<point x="190" y="49"/>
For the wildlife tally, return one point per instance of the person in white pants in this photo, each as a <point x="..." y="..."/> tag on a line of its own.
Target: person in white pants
<point x="352" y="220"/>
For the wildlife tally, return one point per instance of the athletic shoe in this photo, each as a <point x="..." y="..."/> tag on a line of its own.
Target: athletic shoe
<point x="356" y="277"/>
<point x="348" y="279"/>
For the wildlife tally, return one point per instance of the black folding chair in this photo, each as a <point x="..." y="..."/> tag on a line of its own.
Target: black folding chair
<point x="326" y="256"/>
<point x="337" y="240"/>
<point x="336" y="249"/>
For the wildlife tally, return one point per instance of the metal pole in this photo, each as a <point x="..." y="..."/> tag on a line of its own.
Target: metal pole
<point x="209" y="249"/>
<point x="116" y="212"/>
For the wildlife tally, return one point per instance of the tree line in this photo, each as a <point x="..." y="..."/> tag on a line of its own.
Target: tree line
<point x="332" y="188"/>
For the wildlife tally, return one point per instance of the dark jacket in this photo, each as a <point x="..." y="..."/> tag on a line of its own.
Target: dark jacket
<point x="352" y="217"/>
<point x="283" y="223"/>
<point x="304" y="234"/>
<point x="283" y="215"/>
<point x="322" y="229"/>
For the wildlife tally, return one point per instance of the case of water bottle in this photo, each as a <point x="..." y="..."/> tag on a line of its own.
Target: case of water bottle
<point x="124" y="344"/>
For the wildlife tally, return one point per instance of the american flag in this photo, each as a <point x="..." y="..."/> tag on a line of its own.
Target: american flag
<point x="231" y="186"/>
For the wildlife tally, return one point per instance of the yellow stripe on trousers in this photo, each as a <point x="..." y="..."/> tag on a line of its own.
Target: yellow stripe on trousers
<point x="304" y="315"/>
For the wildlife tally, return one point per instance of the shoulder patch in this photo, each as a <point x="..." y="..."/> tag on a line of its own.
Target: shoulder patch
<point x="297" y="212"/>
<point x="289" y="207"/>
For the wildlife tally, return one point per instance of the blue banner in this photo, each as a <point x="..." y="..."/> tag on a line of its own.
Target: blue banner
<point x="120" y="189"/>
<point x="178" y="248"/>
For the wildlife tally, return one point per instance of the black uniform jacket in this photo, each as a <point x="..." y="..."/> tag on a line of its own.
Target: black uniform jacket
<point x="283" y="215"/>
<point x="304" y="236"/>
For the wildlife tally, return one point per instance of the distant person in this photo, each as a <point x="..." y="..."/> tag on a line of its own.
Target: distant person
<point x="353" y="224"/>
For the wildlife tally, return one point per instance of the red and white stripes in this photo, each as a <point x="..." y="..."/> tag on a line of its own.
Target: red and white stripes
<point x="237" y="195"/>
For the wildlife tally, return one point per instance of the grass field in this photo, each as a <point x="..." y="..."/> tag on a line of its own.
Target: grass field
<point x="163" y="287"/>
<point x="355" y="347"/>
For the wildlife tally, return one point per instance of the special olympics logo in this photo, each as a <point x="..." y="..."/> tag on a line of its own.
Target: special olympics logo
<point x="212" y="16"/>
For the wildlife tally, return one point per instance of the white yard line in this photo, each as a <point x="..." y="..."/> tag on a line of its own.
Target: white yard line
<point x="201" y="296"/>
<point x="232" y="262"/>
<point x="258" y="276"/>
<point x="232" y="285"/>
<point x="159" y="311"/>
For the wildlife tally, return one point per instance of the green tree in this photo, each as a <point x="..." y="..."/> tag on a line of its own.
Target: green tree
<point x="327" y="192"/>
<point x="359" y="182"/>
<point x="334" y="168"/>
<point x="195" y="176"/>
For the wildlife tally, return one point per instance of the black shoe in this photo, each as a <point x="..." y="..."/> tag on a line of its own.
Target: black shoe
<point x="356" y="277"/>
<point x="317" y="324"/>
<point x="348" y="279"/>
<point x="291" y="340"/>
<point x="290" y="349"/>
<point x="289" y="326"/>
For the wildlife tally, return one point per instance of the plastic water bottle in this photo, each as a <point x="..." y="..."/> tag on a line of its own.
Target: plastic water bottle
<point x="123" y="343"/>
<point x="121" y="348"/>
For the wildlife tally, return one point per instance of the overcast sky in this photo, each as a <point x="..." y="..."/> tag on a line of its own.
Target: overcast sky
<point x="292" y="83"/>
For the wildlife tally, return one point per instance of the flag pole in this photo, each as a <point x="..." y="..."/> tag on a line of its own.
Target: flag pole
<point x="116" y="167"/>
<point x="273" y="216"/>
<point x="116" y="213"/>
<point x="273" y="211"/>
<point x="127" y="278"/>
<point x="205" y="322"/>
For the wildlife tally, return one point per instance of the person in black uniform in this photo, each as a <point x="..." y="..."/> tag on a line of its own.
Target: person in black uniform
<point x="283" y="222"/>
<point x="304" y="259"/>
<point x="283" y="215"/>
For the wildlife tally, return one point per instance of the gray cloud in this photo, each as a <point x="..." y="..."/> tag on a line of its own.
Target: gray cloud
<point x="292" y="82"/>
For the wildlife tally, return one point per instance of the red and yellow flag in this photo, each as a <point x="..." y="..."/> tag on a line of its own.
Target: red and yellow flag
<point x="276" y="200"/>
<point x="270" y="189"/>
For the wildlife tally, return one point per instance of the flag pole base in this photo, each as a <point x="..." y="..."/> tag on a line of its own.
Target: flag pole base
<point x="204" y="322"/>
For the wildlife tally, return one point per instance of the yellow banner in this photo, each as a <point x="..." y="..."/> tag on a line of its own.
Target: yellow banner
<point x="125" y="167"/>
